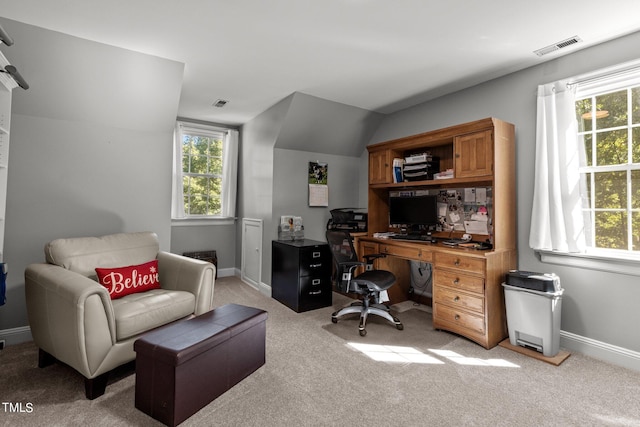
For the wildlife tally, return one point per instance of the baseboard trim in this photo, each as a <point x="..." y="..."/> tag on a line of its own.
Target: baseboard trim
<point x="226" y="272"/>
<point x="599" y="350"/>
<point x="261" y="287"/>
<point x="16" y="335"/>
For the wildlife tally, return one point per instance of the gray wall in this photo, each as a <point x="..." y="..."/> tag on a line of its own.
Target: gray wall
<point x="255" y="177"/>
<point x="273" y="177"/>
<point x="220" y="237"/>
<point x="290" y="194"/>
<point x="90" y="150"/>
<point x="596" y="305"/>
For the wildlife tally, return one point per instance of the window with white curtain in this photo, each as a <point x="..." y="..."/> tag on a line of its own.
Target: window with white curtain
<point x="204" y="172"/>
<point x="587" y="185"/>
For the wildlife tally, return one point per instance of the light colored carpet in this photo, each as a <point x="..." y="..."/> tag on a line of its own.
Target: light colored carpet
<point x="314" y="377"/>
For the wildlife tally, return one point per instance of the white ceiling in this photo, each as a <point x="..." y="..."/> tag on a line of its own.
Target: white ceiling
<point x="380" y="55"/>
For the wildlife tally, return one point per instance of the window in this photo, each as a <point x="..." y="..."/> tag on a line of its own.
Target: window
<point x="205" y="163"/>
<point x="586" y="201"/>
<point x="608" y="114"/>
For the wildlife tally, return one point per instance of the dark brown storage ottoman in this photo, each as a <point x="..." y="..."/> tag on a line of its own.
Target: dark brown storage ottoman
<point x="184" y="366"/>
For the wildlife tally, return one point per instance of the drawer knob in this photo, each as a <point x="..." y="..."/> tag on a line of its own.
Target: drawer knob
<point x="456" y="281"/>
<point x="456" y="298"/>
<point x="457" y="261"/>
<point x="457" y="317"/>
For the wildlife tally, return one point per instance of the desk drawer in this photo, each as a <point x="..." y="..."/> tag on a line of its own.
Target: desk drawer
<point x="459" y="318"/>
<point x="409" y="252"/>
<point x="457" y="299"/>
<point x="460" y="262"/>
<point x="458" y="281"/>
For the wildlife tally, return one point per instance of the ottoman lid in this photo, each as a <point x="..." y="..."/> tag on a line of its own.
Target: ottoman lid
<point x="181" y="341"/>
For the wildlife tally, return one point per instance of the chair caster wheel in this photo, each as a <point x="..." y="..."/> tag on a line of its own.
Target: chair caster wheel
<point x="399" y="327"/>
<point x="334" y="320"/>
<point x="363" y="332"/>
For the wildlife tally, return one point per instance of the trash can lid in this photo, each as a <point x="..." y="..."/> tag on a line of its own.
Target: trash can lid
<point x="542" y="282"/>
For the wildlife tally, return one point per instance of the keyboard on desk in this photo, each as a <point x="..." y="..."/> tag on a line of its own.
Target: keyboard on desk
<point x="418" y="237"/>
<point x="454" y="242"/>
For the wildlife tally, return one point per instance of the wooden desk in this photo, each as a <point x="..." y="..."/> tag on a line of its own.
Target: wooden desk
<point x="467" y="284"/>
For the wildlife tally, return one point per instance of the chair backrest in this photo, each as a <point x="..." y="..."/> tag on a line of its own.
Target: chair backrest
<point x="83" y="254"/>
<point x="342" y="250"/>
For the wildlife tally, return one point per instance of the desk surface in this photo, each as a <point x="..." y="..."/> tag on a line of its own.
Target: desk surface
<point x="430" y="247"/>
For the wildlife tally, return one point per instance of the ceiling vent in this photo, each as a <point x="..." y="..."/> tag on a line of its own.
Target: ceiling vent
<point x="220" y="103"/>
<point x="564" y="43"/>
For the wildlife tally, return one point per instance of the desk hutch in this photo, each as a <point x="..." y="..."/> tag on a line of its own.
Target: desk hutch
<point x="467" y="283"/>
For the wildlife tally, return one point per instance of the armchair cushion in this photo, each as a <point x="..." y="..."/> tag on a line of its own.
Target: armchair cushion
<point x="132" y="279"/>
<point x="141" y="312"/>
<point x="84" y="254"/>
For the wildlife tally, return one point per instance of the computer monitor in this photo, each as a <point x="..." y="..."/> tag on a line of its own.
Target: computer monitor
<point x="414" y="212"/>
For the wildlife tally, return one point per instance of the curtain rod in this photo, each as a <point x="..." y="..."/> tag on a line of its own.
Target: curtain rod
<point x="606" y="74"/>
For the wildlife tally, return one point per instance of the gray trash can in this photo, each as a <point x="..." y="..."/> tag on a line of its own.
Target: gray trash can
<point x="534" y="303"/>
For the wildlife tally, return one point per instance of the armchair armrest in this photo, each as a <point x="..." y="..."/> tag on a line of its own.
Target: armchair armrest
<point x="181" y="273"/>
<point x="70" y="315"/>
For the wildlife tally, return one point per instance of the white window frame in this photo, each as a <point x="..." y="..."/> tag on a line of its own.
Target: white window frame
<point x="617" y="261"/>
<point x="229" y="175"/>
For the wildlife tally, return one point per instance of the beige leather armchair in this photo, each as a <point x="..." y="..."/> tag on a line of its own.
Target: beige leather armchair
<point x="73" y="319"/>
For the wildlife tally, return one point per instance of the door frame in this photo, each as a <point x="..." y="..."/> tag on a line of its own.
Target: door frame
<point x="256" y="223"/>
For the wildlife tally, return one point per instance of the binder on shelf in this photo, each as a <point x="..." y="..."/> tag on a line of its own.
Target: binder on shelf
<point x="398" y="170"/>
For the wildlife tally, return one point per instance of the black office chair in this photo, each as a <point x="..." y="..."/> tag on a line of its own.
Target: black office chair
<point x="368" y="284"/>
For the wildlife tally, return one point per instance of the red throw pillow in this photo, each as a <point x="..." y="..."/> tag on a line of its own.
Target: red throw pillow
<point x="129" y="280"/>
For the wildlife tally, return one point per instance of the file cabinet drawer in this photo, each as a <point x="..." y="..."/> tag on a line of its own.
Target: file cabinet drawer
<point x="314" y="260"/>
<point x="457" y="299"/>
<point x="314" y="292"/>
<point x="458" y="281"/>
<point x="455" y="319"/>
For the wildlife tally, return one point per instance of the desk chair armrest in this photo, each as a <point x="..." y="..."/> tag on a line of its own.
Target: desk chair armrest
<point x="370" y="258"/>
<point x="351" y="264"/>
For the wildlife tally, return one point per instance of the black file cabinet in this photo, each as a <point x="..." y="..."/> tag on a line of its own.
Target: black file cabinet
<point x="301" y="274"/>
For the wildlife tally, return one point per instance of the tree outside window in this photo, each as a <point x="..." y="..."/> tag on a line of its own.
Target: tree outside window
<point x="610" y="128"/>
<point x="202" y="173"/>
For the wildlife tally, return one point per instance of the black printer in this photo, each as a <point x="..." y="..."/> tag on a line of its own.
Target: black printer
<point x="542" y="282"/>
<point x="348" y="219"/>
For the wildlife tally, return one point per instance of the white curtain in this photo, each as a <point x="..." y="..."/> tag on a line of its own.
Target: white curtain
<point x="229" y="173"/>
<point x="177" y="203"/>
<point x="557" y="221"/>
